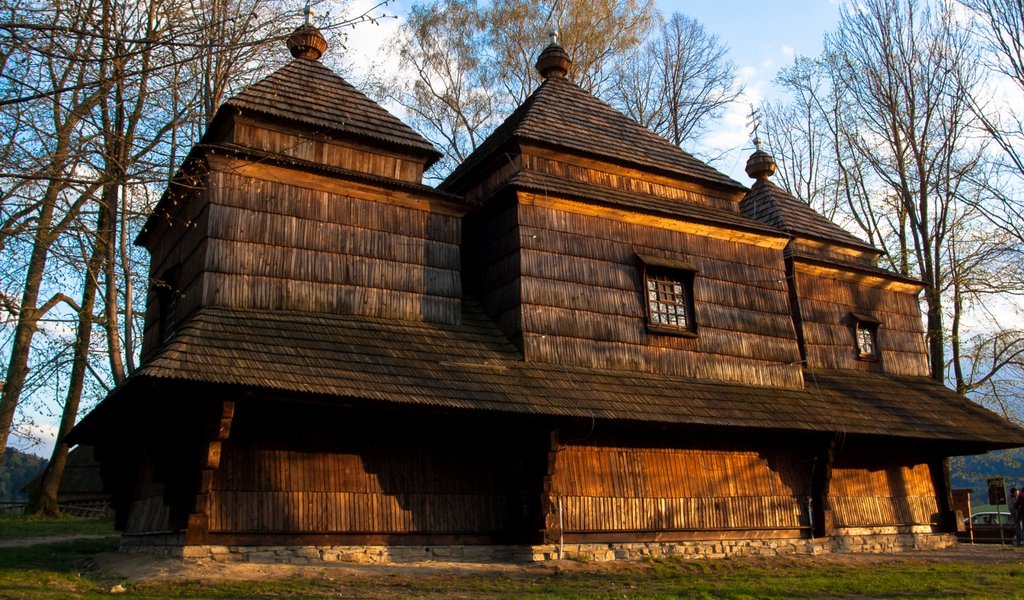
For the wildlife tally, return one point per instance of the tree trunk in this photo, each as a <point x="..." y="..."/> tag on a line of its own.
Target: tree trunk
<point x="44" y="498"/>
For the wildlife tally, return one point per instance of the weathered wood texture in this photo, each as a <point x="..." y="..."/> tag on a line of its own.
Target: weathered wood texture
<point x="885" y="494"/>
<point x="349" y="155"/>
<point x="272" y="245"/>
<point x="569" y="285"/>
<point x="652" y="489"/>
<point x="825" y="306"/>
<point x="381" y="490"/>
<point x="148" y="511"/>
<point x="621" y="178"/>
<point x="317" y="470"/>
<point x="181" y="235"/>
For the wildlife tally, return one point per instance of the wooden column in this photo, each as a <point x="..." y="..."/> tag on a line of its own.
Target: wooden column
<point x="821" y="481"/>
<point x="552" y="532"/>
<point x="939" y="469"/>
<point x="219" y="431"/>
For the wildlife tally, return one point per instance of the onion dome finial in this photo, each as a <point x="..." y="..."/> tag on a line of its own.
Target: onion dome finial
<point x="760" y="165"/>
<point x="307" y="41"/>
<point x="553" y="61"/>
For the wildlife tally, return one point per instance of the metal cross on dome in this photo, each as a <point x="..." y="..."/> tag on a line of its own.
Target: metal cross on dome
<point x="754" y="118"/>
<point x="308" y="10"/>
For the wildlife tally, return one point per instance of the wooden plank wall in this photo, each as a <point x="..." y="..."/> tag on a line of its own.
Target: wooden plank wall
<point x="381" y="489"/>
<point x="147" y="512"/>
<point x="277" y="246"/>
<point x="179" y="245"/>
<point x="618" y="178"/>
<point x="607" y="489"/>
<point x="825" y="305"/>
<point x="892" y="494"/>
<point x="492" y="264"/>
<point x="349" y="155"/>
<point x="582" y="302"/>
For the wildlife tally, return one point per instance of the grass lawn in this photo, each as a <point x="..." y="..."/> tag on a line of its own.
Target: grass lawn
<point x="67" y="570"/>
<point x="13" y="526"/>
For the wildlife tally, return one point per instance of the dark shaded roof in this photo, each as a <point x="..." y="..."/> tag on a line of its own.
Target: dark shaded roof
<point x="308" y="92"/>
<point x="544" y="183"/>
<point x="473" y="366"/>
<point x="81" y="475"/>
<point x="772" y="205"/>
<point x="560" y="114"/>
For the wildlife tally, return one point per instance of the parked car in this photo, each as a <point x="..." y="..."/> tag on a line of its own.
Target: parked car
<point x="989" y="527"/>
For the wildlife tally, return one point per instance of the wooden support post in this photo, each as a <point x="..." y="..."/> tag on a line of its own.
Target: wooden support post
<point x="552" y="531"/>
<point x="943" y="494"/>
<point x="821" y="481"/>
<point x="199" y="518"/>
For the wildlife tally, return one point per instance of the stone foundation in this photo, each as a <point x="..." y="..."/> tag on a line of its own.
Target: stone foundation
<point x="874" y="540"/>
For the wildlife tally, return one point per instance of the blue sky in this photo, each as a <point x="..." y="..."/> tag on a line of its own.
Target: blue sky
<point x="760" y="41"/>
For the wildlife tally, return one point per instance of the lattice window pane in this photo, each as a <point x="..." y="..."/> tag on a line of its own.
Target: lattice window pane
<point x="865" y="339"/>
<point x="667" y="300"/>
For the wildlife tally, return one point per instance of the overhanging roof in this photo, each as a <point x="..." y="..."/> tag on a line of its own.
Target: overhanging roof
<point x="472" y="366"/>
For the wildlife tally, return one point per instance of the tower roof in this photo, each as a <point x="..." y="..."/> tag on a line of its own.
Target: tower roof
<point x="772" y="205"/>
<point x="306" y="91"/>
<point x="561" y="114"/>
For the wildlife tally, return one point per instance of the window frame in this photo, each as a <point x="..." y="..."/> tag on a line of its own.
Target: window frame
<point x="675" y="270"/>
<point x="862" y="322"/>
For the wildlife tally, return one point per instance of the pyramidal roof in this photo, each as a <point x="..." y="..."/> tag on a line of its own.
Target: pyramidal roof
<point x="306" y="91"/>
<point x="772" y="205"/>
<point x="559" y="113"/>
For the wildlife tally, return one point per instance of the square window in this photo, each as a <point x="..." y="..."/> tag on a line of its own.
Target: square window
<point x="667" y="300"/>
<point x="668" y="296"/>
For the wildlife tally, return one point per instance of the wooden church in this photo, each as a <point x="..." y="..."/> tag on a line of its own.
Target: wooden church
<point x="584" y="342"/>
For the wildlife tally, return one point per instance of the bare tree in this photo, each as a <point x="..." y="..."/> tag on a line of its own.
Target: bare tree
<point x="443" y="87"/>
<point x="61" y="80"/>
<point x="463" y="66"/>
<point x="906" y="73"/>
<point x="677" y="81"/>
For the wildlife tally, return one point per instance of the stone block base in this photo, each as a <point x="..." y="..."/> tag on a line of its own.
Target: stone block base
<point x="879" y="540"/>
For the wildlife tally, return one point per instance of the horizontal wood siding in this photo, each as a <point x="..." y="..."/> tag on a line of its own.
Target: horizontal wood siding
<point x="492" y="264"/>
<point x="890" y="494"/>
<point x="378" y="490"/>
<point x="825" y="306"/>
<point x="324" y="151"/>
<point x="582" y="302"/>
<point x="627" y="180"/>
<point x="180" y="245"/>
<point x="277" y="246"/>
<point x="654" y="489"/>
<point x="147" y="510"/>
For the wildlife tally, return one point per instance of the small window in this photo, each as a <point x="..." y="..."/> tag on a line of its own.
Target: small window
<point x="865" y="329"/>
<point x="668" y="295"/>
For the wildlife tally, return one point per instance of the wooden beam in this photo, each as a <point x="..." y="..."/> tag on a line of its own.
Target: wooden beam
<point x="552" y="531"/>
<point x="198" y="527"/>
<point x="855" y="275"/>
<point x="336" y="185"/>
<point x="671" y="224"/>
<point x="601" y="537"/>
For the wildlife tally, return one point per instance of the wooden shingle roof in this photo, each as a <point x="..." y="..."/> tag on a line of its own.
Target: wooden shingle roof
<point x="774" y="206"/>
<point x="562" y="115"/>
<point x="306" y="91"/>
<point x="472" y="366"/>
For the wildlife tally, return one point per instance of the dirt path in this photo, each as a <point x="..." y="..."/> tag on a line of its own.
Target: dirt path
<point x="52" y="539"/>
